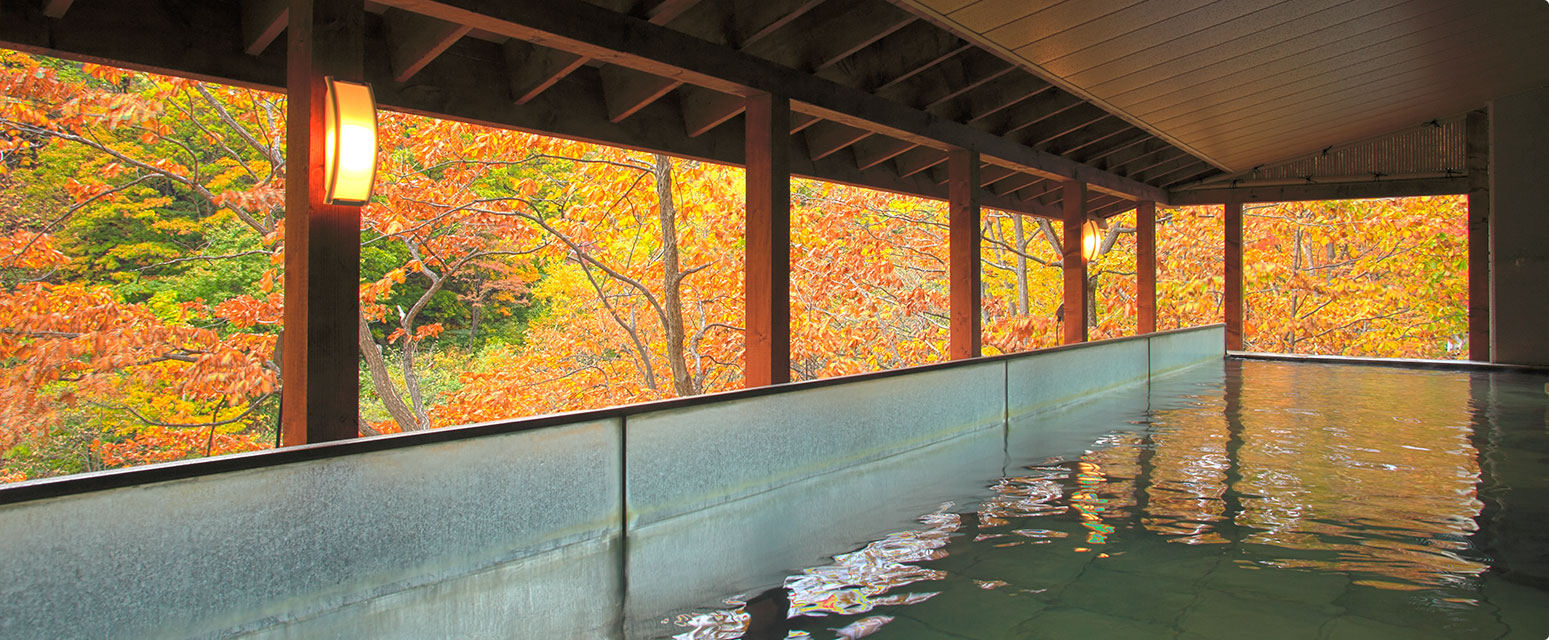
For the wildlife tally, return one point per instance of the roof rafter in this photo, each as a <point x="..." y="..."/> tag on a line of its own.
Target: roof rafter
<point x="56" y="8"/>
<point x="414" y="40"/>
<point x="897" y="57"/>
<point x="453" y="86"/>
<point x="262" y="22"/>
<point x="820" y="38"/>
<point x="592" y="31"/>
<point x="876" y="150"/>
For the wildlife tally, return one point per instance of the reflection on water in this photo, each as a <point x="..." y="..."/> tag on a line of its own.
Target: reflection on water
<point x="1322" y="501"/>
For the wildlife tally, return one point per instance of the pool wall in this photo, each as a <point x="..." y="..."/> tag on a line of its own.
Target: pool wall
<point x="543" y="527"/>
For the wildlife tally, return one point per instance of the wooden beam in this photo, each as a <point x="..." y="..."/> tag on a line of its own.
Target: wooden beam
<point x="550" y="69"/>
<point x="56" y="8"/>
<point x="1112" y="209"/>
<point x="755" y="20"/>
<point x="822" y="37"/>
<point x="626" y="91"/>
<point x="827" y="138"/>
<point x="457" y="85"/>
<point x="946" y="80"/>
<point x="1008" y="118"/>
<point x="1096" y="203"/>
<point x="592" y="31"/>
<point x="991" y="98"/>
<point x="918" y="46"/>
<point x="767" y="266"/>
<point x="992" y="174"/>
<point x="1077" y="287"/>
<point x="918" y="159"/>
<point x="1232" y="305"/>
<point x="938" y="174"/>
<point x="1178" y="174"/>
<point x="1065" y="123"/>
<point x="1163" y="168"/>
<point x="1069" y="144"/>
<point x="800" y="122"/>
<point x="1015" y="183"/>
<point x="704" y="109"/>
<point x="1145" y="267"/>
<point x="1104" y="151"/>
<point x="262" y="23"/>
<point x="414" y="40"/>
<point x="1203" y="170"/>
<point x="1145" y="152"/>
<point x="1045" y="193"/>
<point x="876" y="150"/>
<point x="963" y="270"/>
<point x="1477" y="130"/>
<point x="533" y="69"/>
<point x="1039" y="109"/>
<point x="321" y="396"/>
<point x="668" y="10"/>
<point x="1329" y="191"/>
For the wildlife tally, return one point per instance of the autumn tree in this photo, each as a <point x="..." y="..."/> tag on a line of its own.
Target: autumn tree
<point x="136" y="187"/>
<point x="1382" y="278"/>
<point x="507" y="274"/>
<point x="642" y="285"/>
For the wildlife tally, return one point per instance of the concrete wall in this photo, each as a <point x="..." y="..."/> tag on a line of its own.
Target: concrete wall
<point x="584" y="530"/>
<point x="288" y="543"/>
<point x="1519" y="227"/>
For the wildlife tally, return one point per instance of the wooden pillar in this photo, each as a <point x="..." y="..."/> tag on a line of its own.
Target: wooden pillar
<point x="1145" y="267"/>
<point x="1073" y="200"/>
<point x="320" y="353"/>
<point x="1233" y="284"/>
<point x="963" y="282"/>
<point x="1477" y="126"/>
<point x="767" y="266"/>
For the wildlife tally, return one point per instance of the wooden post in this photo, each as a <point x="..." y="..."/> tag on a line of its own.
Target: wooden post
<point x="767" y="266"/>
<point x="1073" y="200"/>
<point x="1233" y="284"/>
<point x="1145" y="267"/>
<point x="963" y="283"/>
<point x="1477" y="126"/>
<point x="320" y="354"/>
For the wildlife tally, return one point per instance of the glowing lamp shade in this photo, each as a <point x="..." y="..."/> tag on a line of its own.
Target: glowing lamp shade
<point x="349" y="154"/>
<point x="1091" y="240"/>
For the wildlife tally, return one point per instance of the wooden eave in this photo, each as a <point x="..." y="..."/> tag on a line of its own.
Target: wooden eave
<point x="878" y="95"/>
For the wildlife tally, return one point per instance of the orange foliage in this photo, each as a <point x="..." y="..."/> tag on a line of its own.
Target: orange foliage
<point x="630" y="264"/>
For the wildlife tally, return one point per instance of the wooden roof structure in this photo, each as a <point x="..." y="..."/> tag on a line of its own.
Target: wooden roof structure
<point x="1136" y="98"/>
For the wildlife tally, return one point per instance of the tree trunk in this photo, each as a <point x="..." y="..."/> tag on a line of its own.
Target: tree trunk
<point x="672" y="303"/>
<point x="383" y="383"/>
<point x="1021" y="244"/>
<point x="411" y="379"/>
<point x="475" y="310"/>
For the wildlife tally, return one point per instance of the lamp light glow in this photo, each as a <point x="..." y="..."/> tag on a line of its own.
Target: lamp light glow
<point x="349" y="153"/>
<point x="1091" y="240"/>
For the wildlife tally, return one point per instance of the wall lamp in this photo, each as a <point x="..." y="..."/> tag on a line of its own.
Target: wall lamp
<point x="1091" y="240"/>
<point x="349" y="156"/>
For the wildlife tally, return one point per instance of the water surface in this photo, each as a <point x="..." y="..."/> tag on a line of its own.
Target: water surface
<point x="1281" y="500"/>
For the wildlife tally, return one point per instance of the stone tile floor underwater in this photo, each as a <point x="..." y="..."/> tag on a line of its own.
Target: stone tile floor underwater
<point x="1283" y="501"/>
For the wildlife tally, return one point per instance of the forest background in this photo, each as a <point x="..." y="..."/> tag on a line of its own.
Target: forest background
<point x="506" y="274"/>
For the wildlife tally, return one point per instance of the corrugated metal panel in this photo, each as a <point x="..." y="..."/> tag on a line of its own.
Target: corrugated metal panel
<point x="1243" y="82"/>
<point x="1432" y="149"/>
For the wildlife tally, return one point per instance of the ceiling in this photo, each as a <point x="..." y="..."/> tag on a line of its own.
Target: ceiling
<point x="1137" y="98"/>
<point x="1241" y="83"/>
